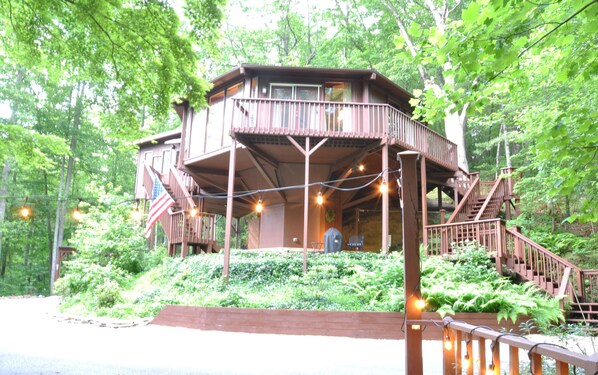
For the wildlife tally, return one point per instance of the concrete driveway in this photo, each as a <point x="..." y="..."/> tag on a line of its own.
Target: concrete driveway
<point x="32" y="341"/>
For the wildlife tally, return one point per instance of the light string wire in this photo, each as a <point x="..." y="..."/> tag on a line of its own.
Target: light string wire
<point x="328" y="184"/>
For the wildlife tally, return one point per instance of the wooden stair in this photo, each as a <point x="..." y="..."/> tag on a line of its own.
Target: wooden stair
<point x="476" y="219"/>
<point x="191" y="234"/>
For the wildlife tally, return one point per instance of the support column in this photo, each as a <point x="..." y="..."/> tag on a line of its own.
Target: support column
<point x="237" y="222"/>
<point x="385" y="203"/>
<point x="424" y="190"/>
<point x="413" y="333"/>
<point x="305" y="204"/>
<point x="229" y="208"/>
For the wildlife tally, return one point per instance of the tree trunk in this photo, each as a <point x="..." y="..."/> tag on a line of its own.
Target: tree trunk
<point x="64" y="189"/>
<point x="3" y="194"/>
<point x="507" y="146"/>
<point x="454" y="127"/>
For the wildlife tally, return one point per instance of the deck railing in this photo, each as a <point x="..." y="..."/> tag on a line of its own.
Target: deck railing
<point x="485" y="357"/>
<point x="520" y="254"/>
<point x="493" y="202"/>
<point x="343" y="120"/>
<point x="180" y="190"/>
<point x="198" y="229"/>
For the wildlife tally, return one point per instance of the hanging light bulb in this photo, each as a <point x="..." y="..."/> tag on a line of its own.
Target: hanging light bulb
<point x="320" y="199"/>
<point x="448" y="345"/>
<point x="25" y="211"/>
<point x="77" y="214"/>
<point x="420" y="303"/>
<point x="465" y="362"/>
<point x="361" y="168"/>
<point x="193" y="212"/>
<point x="259" y="207"/>
<point x="136" y="213"/>
<point x="384" y="188"/>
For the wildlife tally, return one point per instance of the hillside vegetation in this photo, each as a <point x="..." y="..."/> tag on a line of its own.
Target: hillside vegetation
<point x="344" y="281"/>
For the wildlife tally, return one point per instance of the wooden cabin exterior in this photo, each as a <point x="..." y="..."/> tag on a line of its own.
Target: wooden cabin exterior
<point x="266" y="117"/>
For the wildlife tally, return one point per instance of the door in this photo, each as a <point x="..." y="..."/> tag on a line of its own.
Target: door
<point x="296" y="108"/>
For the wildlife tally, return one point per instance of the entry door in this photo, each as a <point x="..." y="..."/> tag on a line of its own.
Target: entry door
<point x="293" y="114"/>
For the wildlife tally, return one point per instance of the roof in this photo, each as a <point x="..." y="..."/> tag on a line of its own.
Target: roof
<point x="365" y="74"/>
<point x="159" y="138"/>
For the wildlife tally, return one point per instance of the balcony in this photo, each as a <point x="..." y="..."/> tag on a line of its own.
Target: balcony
<point x="343" y="120"/>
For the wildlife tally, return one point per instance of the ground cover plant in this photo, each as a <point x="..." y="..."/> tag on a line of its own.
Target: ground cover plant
<point x="351" y="281"/>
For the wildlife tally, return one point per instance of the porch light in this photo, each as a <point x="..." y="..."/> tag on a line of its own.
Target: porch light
<point x="259" y="207"/>
<point x="420" y="304"/>
<point x="320" y="199"/>
<point x="193" y="212"/>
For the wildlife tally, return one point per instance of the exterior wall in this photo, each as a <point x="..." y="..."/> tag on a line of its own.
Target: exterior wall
<point x="280" y="224"/>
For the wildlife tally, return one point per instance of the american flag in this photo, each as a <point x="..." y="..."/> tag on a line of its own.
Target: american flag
<point x="161" y="201"/>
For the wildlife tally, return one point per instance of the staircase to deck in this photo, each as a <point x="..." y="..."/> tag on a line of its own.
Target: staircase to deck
<point x="476" y="219"/>
<point x="181" y="228"/>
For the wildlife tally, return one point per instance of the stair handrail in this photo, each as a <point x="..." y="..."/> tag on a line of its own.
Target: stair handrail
<point x="181" y="193"/>
<point x="491" y="195"/>
<point x="473" y="189"/>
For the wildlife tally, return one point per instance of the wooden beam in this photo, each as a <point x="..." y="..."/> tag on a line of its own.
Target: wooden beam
<point x="265" y="175"/>
<point x="385" y="200"/>
<point x="338" y="183"/>
<point x="307" y="153"/>
<point x="361" y="200"/>
<point x="424" y="192"/>
<point x="221" y="189"/>
<point x="318" y="146"/>
<point x="354" y="159"/>
<point x="257" y="151"/>
<point x="297" y="145"/>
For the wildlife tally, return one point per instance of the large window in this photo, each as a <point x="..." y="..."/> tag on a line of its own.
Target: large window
<point x="215" y="122"/>
<point x="338" y="116"/>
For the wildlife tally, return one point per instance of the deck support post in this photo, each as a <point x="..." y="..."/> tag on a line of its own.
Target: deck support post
<point x="413" y="333"/>
<point x="229" y="208"/>
<point x="424" y="189"/>
<point x="305" y="204"/>
<point x="385" y="203"/>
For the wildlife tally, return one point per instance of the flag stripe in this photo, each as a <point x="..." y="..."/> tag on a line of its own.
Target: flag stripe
<point x="161" y="201"/>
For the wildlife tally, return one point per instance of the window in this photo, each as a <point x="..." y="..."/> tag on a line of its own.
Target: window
<point x="215" y="122"/>
<point x="338" y="116"/>
<point x="288" y="112"/>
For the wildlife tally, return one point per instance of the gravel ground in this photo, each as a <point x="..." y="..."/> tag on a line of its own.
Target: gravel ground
<point x="33" y="340"/>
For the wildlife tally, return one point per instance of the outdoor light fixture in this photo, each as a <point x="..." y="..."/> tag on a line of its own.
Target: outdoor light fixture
<point x="193" y="212"/>
<point x="465" y="363"/>
<point x="320" y="199"/>
<point x="361" y="167"/>
<point x="448" y="345"/>
<point x="259" y="207"/>
<point x="420" y="304"/>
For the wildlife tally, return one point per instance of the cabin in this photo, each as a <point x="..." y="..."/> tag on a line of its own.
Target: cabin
<point x="269" y="131"/>
<point x="307" y="149"/>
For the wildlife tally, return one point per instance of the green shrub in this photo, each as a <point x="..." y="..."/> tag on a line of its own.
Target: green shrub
<point x="108" y="294"/>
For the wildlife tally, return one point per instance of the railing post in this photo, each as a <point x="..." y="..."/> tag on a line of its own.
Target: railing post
<point x="442" y="216"/>
<point x="499" y="246"/>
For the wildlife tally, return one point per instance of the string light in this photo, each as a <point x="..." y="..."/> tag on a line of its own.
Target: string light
<point x="361" y="168"/>
<point x="420" y="304"/>
<point x="136" y="213"/>
<point x="383" y="188"/>
<point x="320" y="199"/>
<point x="25" y="211"/>
<point x="193" y="212"/>
<point x="77" y="214"/>
<point x="465" y="362"/>
<point x="448" y="345"/>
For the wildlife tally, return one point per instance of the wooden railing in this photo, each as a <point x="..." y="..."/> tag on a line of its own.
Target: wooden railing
<point x="180" y="190"/>
<point x="442" y="238"/>
<point x="466" y="204"/>
<point x="527" y="258"/>
<point x="493" y="202"/>
<point x="460" y="355"/>
<point x="536" y="263"/>
<point x="343" y="120"/>
<point x="198" y="229"/>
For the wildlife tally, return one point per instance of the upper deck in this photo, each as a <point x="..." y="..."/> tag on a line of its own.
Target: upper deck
<point x="263" y="121"/>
